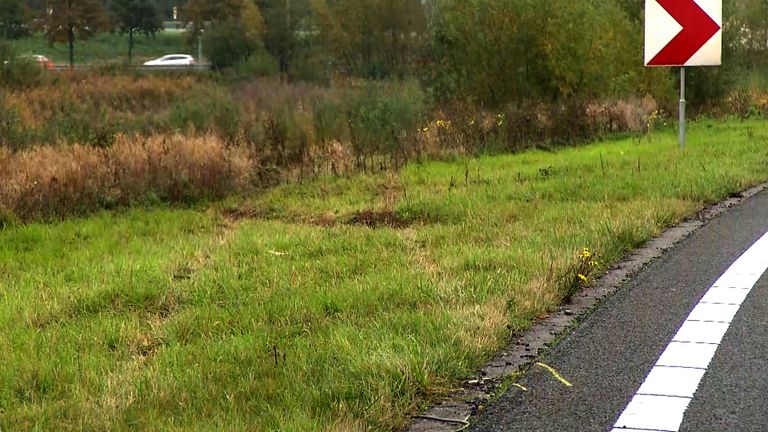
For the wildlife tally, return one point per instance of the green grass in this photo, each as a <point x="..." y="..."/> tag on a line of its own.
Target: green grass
<point x="298" y="320"/>
<point x="107" y="48"/>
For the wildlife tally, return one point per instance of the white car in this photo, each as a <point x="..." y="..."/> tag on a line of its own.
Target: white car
<point x="172" y="60"/>
<point x="42" y="60"/>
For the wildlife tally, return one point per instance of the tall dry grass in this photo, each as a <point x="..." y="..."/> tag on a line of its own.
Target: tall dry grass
<point x="57" y="181"/>
<point x="86" y="141"/>
<point x="93" y="108"/>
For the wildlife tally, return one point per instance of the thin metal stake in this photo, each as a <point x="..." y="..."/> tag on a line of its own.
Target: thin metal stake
<point x="682" y="109"/>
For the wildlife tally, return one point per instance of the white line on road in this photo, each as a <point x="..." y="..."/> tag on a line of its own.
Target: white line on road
<point x="660" y="403"/>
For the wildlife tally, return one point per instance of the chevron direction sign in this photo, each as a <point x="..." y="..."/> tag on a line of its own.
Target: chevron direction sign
<point x="683" y="32"/>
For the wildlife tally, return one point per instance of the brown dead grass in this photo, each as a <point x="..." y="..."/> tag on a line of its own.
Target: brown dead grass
<point x="486" y="320"/>
<point x="63" y="180"/>
<point x="379" y="219"/>
<point x="118" y="93"/>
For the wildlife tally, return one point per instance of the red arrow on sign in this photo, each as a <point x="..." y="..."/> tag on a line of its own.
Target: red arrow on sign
<point x="698" y="28"/>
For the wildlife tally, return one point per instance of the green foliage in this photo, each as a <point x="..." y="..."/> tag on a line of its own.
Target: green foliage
<point x="232" y="30"/>
<point x="283" y="20"/>
<point x="136" y="16"/>
<point x="72" y="20"/>
<point x="330" y="121"/>
<point x="383" y="121"/>
<point x="12" y="135"/>
<point x="487" y="53"/>
<point x="206" y="109"/>
<point x="192" y="320"/>
<point x="200" y="13"/>
<point x="590" y="65"/>
<point x="286" y="142"/>
<point x="18" y="71"/>
<point x="708" y="87"/>
<point x="7" y="219"/>
<point x="12" y="19"/>
<point x="227" y="44"/>
<point x="260" y="64"/>
<point x="633" y="8"/>
<point x="104" y="47"/>
<point x="745" y="30"/>
<point x="372" y="38"/>
<point x="497" y="52"/>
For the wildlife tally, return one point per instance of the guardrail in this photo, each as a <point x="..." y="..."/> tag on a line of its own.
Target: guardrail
<point x="195" y="67"/>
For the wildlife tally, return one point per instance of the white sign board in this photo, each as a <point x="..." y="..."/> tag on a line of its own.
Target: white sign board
<point x="683" y="32"/>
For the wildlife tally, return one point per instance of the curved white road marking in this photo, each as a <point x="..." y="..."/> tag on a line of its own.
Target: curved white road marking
<point x="660" y="403"/>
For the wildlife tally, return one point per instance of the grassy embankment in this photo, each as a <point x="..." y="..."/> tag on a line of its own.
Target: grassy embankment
<point x="289" y="313"/>
<point x="107" y="48"/>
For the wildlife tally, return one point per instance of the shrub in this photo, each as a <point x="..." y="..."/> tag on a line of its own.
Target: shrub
<point x="329" y="120"/>
<point x="286" y="142"/>
<point x="12" y="134"/>
<point x="207" y="109"/>
<point x="227" y="43"/>
<point x="18" y="72"/>
<point x="7" y="218"/>
<point x="260" y="64"/>
<point x="384" y="119"/>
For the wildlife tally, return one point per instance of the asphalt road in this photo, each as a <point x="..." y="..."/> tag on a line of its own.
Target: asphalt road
<point x="608" y="356"/>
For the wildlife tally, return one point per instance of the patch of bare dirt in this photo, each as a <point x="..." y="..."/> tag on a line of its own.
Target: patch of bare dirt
<point x="369" y="218"/>
<point x="323" y="220"/>
<point x="238" y="214"/>
<point x="379" y="219"/>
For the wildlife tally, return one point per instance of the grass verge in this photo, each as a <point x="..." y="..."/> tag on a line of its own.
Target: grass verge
<point x="337" y="304"/>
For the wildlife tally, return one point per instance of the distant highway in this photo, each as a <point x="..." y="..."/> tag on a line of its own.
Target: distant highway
<point x="196" y="67"/>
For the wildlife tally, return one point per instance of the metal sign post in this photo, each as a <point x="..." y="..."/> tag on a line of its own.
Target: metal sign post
<point x="682" y="108"/>
<point x="683" y="33"/>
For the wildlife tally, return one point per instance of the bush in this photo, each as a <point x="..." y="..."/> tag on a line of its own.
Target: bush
<point x="207" y="110"/>
<point x="329" y="119"/>
<point x="18" y="72"/>
<point x="384" y="120"/>
<point x="12" y="134"/>
<point x="227" y="43"/>
<point x="499" y="52"/>
<point x="260" y="64"/>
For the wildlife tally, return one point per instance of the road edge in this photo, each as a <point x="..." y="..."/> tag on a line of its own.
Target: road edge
<point x="452" y="414"/>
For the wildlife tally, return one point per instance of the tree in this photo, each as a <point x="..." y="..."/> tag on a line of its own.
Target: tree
<point x="200" y="12"/>
<point x="284" y="19"/>
<point x="233" y="29"/>
<point x="497" y="52"/>
<point x="70" y="20"/>
<point x="12" y="19"/>
<point x="371" y="37"/>
<point x="136" y="16"/>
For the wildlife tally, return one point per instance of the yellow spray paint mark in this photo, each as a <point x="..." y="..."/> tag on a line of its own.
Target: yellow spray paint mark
<point x="520" y="386"/>
<point x="555" y="374"/>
